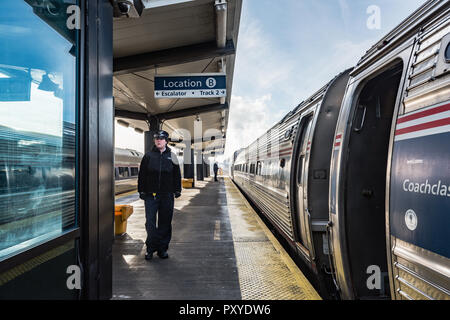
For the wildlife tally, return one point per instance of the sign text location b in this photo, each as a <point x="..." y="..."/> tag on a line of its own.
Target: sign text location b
<point x="199" y="85"/>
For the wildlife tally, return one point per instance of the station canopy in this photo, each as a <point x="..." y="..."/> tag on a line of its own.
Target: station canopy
<point x="175" y="37"/>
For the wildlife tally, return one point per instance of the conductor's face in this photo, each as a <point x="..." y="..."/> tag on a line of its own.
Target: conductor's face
<point x="160" y="143"/>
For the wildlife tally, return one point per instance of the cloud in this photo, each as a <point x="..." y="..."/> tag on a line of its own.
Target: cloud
<point x="345" y="14"/>
<point x="272" y="80"/>
<point x="249" y="119"/>
<point x="283" y="60"/>
<point x="344" y="54"/>
<point x="261" y="63"/>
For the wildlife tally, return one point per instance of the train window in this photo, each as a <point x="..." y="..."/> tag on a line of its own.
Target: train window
<point x="38" y="106"/>
<point x="258" y="168"/>
<point x="447" y="53"/>
<point x="3" y="182"/>
<point x="282" y="163"/>
<point x="304" y="145"/>
<point x="123" y="172"/>
<point x="134" y="172"/>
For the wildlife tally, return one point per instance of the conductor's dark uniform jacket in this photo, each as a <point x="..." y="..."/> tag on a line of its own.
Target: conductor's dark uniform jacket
<point x="159" y="178"/>
<point x="159" y="172"/>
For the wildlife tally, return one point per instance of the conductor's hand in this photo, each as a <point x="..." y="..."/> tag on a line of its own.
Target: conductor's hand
<point x="177" y="194"/>
<point x="142" y="195"/>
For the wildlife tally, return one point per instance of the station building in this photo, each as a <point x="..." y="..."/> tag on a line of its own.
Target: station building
<point x="68" y="68"/>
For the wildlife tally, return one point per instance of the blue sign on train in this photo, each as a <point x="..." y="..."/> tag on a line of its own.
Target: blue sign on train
<point x="420" y="180"/>
<point x="200" y="85"/>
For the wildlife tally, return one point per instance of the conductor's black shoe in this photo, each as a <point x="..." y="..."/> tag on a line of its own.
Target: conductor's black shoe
<point x="149" y="256"/>
<point x="163" y="254"/>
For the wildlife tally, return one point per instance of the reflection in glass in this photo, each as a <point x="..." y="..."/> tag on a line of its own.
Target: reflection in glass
<point x="38" y="64"/>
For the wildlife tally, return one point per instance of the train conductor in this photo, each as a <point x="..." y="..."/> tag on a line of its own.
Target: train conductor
<point x="159" y="182"/>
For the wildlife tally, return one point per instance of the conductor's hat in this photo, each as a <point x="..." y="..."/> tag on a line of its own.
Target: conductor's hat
<point x="161" y="134"/>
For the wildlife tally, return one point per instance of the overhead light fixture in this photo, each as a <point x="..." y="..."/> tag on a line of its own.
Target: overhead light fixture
<point x="221" y="65"/>
<point x="221" y="20"/>
<point x="123" y="123"/>
<point x="138" y="130"/>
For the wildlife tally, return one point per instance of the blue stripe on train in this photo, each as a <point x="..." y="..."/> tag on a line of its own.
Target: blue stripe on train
<point x="420" y="181"/>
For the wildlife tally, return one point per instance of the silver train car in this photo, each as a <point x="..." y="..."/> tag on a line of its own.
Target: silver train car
<point x="126" y="169"/>
<point x="357" y="177"/>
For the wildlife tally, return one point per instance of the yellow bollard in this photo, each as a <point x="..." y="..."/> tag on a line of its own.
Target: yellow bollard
<point x="121" y="215"/>
<point x="187" y="183"/>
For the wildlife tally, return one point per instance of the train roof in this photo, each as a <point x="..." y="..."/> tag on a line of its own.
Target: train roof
<point x="409" y="27"/>
<point x="302" y="105"/>
<point x="128" y="152"/>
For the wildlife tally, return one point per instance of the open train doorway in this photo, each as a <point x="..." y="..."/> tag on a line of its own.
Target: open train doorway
<point x="303" y="223"/>
<point x="365" y="181"/>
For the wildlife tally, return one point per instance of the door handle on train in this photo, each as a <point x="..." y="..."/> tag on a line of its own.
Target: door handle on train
<point x="362" y="120"/>
<point x="331" y="263"/>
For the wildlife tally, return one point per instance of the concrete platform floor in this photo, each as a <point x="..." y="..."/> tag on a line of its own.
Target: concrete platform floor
<point x="220" y="250"/>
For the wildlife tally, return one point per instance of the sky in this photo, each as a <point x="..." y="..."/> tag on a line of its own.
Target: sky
<point x="289" y="49"/>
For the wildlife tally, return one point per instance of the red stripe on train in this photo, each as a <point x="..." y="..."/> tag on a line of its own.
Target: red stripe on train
<point x="423" y="126"/>
<point x="425" y="113"/>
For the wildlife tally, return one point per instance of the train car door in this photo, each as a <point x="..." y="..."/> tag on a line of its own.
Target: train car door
<point x="358" y="176"/>
<point x="419" y="213"/>
<point x="303" y="217"/>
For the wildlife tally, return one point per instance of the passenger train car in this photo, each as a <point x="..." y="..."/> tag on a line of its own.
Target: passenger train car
<point x="126" y="169"/>
<point x="357" y="177"/>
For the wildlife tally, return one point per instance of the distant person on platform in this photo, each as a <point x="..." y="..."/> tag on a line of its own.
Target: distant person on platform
<point x="159" y="182"/>
<point x="216" y="168"/>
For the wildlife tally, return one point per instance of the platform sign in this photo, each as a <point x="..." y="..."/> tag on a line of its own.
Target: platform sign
<point x="198" y="85"/>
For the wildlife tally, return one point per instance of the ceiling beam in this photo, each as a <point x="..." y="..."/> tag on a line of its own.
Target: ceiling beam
<point x="192" y="111"/>
<point x="173" y="114"/>
<point x="130" y="115"/>
<point x="173" y="56"/>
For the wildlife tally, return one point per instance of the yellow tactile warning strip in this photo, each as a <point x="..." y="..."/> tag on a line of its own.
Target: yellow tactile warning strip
<point x="33" y="263"/>
<point x="266" y="272"/>
<point x="125" y="194"/>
